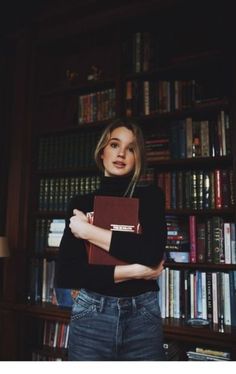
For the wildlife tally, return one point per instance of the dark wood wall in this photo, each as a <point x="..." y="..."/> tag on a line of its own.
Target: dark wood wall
<point x="52" y="23"/>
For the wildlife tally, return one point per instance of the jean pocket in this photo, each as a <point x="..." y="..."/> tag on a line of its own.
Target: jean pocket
<point x="151" y="312"/>
<point x="81" y="308"/>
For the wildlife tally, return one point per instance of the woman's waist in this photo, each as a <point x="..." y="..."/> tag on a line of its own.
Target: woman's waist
<point x="126" y="289"/>
<point x="117" y="301"/>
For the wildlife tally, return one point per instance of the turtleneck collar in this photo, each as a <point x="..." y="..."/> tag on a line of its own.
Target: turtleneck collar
<point x="114" y="186"/>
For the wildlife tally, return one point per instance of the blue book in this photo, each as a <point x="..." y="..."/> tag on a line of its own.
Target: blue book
<point x="232" y="284"/>
<point x="65" y="297"/>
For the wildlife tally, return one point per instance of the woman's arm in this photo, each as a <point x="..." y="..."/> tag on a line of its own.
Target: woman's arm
<point x="81" y="228"/>
<point x="136" y="271"/>
<point x="73" y="270"/>
<point x="146" y="248"/>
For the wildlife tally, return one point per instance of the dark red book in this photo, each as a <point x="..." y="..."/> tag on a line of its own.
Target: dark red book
<point x="116" y="214"/>
<point x="193" y="239"/>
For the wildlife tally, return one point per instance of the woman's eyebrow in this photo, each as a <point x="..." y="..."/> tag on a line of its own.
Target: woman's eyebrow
<point x="119" y="140"/>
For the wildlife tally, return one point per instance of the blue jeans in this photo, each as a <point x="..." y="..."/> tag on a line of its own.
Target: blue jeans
<point x="106" y="328"/>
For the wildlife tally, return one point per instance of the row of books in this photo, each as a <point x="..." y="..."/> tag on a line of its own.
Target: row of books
<point x="200" y="240"/>
<point x="55" y="193"/>
<point x="42" y="242"/>
<point x="55" y="232"/>
<point x="41" y="281"/>
<point x="164" y="96"/>
<point x="42" y="288"/>
<point x="189" y="239"/>
<point x="198" y="294"/>
<point x="140" y="52"/>
<point x="198" y="189"/>
<point x="184" y="139"/>
<point x="201" y="138"/>
<point x="97" y="106"/>
<point x="207" y="354"/>
<point x="55" y="334"/>
<point x="67" y="151"/>
<point x="208" y="295"/>
<point x="189" y="139"/>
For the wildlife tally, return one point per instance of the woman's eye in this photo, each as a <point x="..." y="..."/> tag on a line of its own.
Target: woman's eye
<point x="113" y="145"/>
<point x="131" y="149"/>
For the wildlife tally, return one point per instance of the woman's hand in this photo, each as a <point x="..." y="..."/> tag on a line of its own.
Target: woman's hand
<point x="145" y="272"/>
<point x="78" y="224"/>
<point x="136" y="271"/>
<point x="82" y="229"/>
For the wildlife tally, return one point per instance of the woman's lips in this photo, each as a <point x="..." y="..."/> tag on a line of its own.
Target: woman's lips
<point x="119" y="164"/>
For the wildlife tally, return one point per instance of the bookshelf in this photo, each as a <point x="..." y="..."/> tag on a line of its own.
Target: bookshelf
<point x="169" y="85"/>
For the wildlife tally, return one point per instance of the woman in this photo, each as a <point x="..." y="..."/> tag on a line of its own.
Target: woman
<point x="116" y="315"/>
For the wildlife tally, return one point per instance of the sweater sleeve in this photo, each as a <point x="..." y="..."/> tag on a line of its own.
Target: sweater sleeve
<point x="148" y="247"/>
<point x="72" y="268"/>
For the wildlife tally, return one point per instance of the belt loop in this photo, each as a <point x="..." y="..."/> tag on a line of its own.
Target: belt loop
<point x="134" y="305"/>
<point x="101" y="304"/>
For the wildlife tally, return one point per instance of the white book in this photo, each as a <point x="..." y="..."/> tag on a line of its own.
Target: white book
<point x="55" y="335"/>
<point x="54" y="240"/>
<point x="161" y="282"/>
<point x="214" y="298"/>
<point x="222" y="123"/>
<point x="204" y="295"/>
<point x="167" y="294"/>
<point x="67" y="336"/>
<point x="171" y="293"/>
<point x="44" y="283"/>
<point x="192" y="298"/>
<point x="227" y="243"/>
<point x="176" y="291"/>
<point x="233" y="242"/>
<point x="227" y="306"/>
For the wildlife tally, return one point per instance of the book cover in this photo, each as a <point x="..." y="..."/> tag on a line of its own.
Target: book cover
<point x="64" y="297"/>
<point x="115" y="214"/>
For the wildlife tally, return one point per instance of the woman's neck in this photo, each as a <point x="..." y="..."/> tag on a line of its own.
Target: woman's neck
<point x="116" y="186"/>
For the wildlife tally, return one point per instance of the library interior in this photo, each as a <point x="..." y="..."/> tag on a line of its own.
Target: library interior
<point x="67" y="70"/>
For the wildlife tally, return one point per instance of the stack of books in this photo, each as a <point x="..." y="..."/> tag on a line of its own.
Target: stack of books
<point x="56" y="230"/>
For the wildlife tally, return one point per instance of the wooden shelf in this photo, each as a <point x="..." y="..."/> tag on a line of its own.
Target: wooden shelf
<point x="207" y="267"/>
<point x="194" y="162"/>
<point x="68" y="171"/>
<point x="197" y="212"/>
<point x="44" y="311"/>
<point x="173" y="327"/>
<point x="78" y="88"/>
<point x="177" y="329"/>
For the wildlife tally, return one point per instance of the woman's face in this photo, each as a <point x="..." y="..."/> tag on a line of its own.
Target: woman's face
<point x="118" y="156"/>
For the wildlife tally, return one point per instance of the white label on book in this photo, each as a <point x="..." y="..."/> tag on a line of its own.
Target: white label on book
<point x="129" y="228"/>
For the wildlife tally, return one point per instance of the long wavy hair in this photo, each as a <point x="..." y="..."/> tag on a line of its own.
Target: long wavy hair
<point x="139" y="150"/>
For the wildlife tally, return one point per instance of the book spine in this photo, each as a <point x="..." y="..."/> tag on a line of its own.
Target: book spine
<point x="192" y="237"/>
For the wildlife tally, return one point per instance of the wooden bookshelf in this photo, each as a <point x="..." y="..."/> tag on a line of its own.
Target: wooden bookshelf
<point x="49" y="47"/>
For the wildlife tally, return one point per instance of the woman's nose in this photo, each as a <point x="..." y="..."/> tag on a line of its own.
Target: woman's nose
<point x="121" y="152"/>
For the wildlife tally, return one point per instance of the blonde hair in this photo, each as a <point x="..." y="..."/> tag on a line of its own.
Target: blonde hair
<point x="139" y="149"/>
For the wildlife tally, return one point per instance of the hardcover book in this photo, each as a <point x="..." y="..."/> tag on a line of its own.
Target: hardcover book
<point x="116" y="214"/>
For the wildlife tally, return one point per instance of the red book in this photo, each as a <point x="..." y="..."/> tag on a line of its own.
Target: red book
<point x="218" y="189"/>
<point x="116" y="214"/>
<point x="193" y="239"/>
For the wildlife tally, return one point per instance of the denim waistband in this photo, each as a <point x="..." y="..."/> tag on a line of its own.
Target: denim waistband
<point x="114" y="301"/>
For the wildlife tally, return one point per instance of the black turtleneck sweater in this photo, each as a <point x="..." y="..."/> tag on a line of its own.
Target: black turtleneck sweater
<point x="147" y="248"/>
